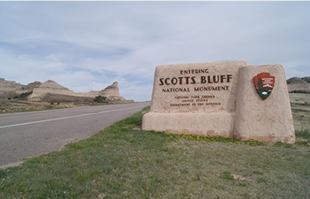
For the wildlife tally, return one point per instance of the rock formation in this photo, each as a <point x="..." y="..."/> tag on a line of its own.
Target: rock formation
<point x="300" y="85"/>
<point x="53" y="92"/>
<point x="11" y="89"/>
<point x="111" y="92"/>
<point x="49" y="87"/>
<point x="8" y="88"/>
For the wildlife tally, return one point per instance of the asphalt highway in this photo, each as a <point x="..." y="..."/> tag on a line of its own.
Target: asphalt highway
<point x="29" y="134"/>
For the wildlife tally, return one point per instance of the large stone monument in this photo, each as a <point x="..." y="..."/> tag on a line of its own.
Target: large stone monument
<point x="230" y="99"/>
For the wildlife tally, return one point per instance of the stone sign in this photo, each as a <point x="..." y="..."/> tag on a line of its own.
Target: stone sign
<point x="220" y="99"/>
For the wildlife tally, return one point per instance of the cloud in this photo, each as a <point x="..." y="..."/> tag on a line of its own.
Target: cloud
<point x="89" y="45"/>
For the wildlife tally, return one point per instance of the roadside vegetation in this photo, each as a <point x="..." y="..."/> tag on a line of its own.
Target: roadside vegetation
<point x="101" y="99"/>
<point x="125" y="162"/>
<point x="104" y="100"/>
<point x="300" y="104"/>
<point x="18" y="104"/>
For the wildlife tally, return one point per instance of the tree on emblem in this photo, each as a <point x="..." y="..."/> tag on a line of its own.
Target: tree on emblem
<point x="260" y="86"/>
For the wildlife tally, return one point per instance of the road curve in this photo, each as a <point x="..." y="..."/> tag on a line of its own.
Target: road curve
<point x="29" y="134"/>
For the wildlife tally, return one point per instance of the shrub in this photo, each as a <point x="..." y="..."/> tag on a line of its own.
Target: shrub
<point x="23" y="95"/>
<point x="100" y="99"/>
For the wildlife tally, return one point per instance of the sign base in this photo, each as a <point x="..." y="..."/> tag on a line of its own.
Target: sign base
<point x="206" y="124"/>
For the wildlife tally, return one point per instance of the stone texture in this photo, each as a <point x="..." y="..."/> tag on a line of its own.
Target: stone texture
<point x="235" y="112"/>
<point x="268" y="120"/>
<point x="161" y="100"/>
<point x="207" y="124"/>
<point x="213" y="120"/>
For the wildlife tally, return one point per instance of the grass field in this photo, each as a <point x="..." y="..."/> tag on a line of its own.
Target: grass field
<point x="300" y="104"/>
<point x="120" y="162"/>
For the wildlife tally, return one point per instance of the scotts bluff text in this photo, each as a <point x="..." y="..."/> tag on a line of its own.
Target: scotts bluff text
<point x="190" y="79"/>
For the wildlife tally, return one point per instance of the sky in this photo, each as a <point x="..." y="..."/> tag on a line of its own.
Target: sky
<point x="88" y="45"/>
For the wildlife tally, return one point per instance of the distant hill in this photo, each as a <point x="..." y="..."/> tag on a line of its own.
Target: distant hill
<point x="51" y="91"/>
<point x="298" y="85"/>
<point x="11" y="89"/>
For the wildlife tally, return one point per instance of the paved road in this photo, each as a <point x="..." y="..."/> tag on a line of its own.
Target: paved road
<point x="32" y="133"/>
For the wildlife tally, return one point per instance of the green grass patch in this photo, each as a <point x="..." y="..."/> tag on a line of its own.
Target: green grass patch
<point x="120" y="162"/>
<point x="217" y="139"/>
<point x="303" y="133"/>
<point x="227" y="175"/>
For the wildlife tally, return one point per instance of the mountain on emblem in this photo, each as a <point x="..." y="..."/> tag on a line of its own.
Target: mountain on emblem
<point x="264" y="84"/>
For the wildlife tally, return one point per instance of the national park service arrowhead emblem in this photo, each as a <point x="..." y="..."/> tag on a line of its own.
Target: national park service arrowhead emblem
<point x="264" y="84"/>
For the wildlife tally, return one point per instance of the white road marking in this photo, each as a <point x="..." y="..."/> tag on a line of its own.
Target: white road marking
<point x="63" y="118"/>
